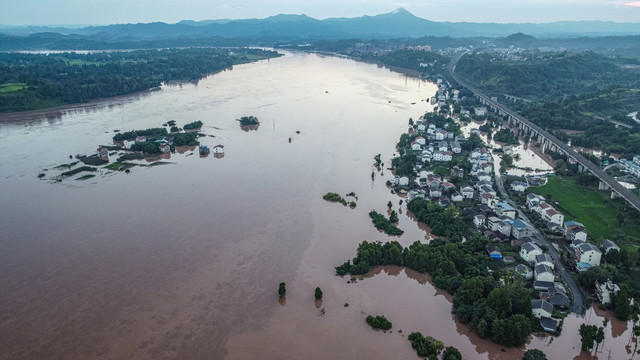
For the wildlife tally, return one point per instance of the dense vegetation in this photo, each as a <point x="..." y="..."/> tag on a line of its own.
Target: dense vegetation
<point x="249" y="120"/>
<point x="384" y="224"/>
<point x="379" y="322"/>
<point x="546" y="76"/>
<point x="130" y="135"/>
<point x="425" y="346"/>
<point x="502" y="312"/>
<point x="506" y="136"/>
<point x="429" y="63"/>
<point x="334" y="197"/>
<point x="34" y="81"/>
<point x="193" y="125"/>
<point x="443" y="222"/>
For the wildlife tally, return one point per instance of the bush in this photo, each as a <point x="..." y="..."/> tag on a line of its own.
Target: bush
<point x="379" y="322"/>
<point x="282" y="289"/>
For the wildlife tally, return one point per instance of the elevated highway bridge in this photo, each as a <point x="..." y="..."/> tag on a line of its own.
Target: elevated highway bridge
<point x="550" y="142"/>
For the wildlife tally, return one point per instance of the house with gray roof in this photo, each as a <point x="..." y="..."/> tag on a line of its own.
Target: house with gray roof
<point x="609" y="245"/>
<point x="545" y="259"/>
<point x="543" y="272"/>
<point x="529" y="251"/>
<point x="541" y="308"/>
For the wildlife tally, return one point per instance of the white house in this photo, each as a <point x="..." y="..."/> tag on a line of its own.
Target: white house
<point x="467" y="192"/>
<point x="422" y="127"/>
<point x="164" y="148"/>
<point x="609" y="245"/>
<point x="543" y="272"/>
<point x="420" y="140"/>
<point x="533" y="200"/>
<point x="524" y="271"/>
<point x="544" y="259"/>
<point x="541" y="308"/>
<point x="503" y="208"/>
<point x="528" y="252"/>
<point x="128" y="143"/>
<point x="605" y="290"/>
<point x="588" y="253"/>
<point x="141" y="139"/>
<point x="488" y="199"/>
<point x="455" y="147"/>
<point x="441" y="135"/>
<point x="478" y="220"/>
<point x="553" y="216"/>
<point x="218" y="149"/>
<point x="443" y="146"/>
<point x="402" y="181"/>
<point x="415" y="146"/>
<point x="456" y="197"/>
<point x="103" y="153"/>
<point x="493" y="223"/>
<point x="519" y="186"/>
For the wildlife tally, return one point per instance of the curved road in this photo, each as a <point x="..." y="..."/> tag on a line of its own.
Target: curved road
<point x="577" y="306"/>
<point x="631" y="198"/>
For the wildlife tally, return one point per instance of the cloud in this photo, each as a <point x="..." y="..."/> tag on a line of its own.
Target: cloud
<point x="633" y="4"/>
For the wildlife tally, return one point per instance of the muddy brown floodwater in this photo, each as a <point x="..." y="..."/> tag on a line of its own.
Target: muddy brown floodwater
<point x="183" y="261"/>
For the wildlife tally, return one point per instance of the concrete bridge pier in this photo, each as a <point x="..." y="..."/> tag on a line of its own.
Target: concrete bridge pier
<point x="603" y="186"/>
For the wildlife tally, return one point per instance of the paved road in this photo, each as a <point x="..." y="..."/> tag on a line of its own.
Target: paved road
<point x="630" y="197"/>
<point x="578" y="300"/>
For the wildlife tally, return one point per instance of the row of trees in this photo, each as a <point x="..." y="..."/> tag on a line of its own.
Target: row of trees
<point x="68" y="78"/>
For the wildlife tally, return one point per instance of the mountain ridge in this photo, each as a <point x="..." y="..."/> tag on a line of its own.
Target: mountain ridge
<point x="396" y="24"/>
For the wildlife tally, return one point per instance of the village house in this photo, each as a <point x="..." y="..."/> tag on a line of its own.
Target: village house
<point x="609" y="245"/>
<point x="529" y="251"/>
<point x="443" y="146"/>
<point x="494" y="252"/>
<point x="558" y="296"/>
<point x="457" y="197"/>
<point x="589" y="254"/>
<point x="570" y="227"/>
<point x="141" y="139"/>
<point x="493" y="223"/>
<point x="415" y="146"/>
<point x="103" y="153"/>
<point x="520" y="229"/>
<point x="457" y="171"/>
<point x="483" y="177"/>
<point x="480" y="111"/>
<point x="524" y="271"/>
<point x="402" y="180"/>
<point x="504" y="227"/>
<point x="503" y="208"/>
<point x="487" y="199"/>
<point x="479" y="220"/>
<point x="519" y="186"/>
<point x="487" y="190"/>
<point x="467" y="192"/>
<point x="548" y="324"/>
<point x="441" y="134"/>
<point x="218" y="149"/>
<point x="435" y="191"/>
<point x="545" y="259"/>
<point x="553" y="216"/>
<point x="164" y="148"/>
<point x="127" y="143"/>
<point x="605" y="290"/>
<point x="543" y="272"/>
<point x="533" y="200"/>
<point x="541" y="308"/>
<point x="455" y="147"/>
<point x="420" y="140"/>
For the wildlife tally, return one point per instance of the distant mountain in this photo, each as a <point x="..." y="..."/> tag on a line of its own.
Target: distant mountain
<point x="397" y="24"/>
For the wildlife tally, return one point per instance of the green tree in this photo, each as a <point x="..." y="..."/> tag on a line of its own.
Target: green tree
<point x="389" y="205"/>
<point x="534" y="354"/>
<point x="451" y="353"/>
<point x="499" y="300"/>
<point x="318" y="293"/>
<point x="614" y="256"/>
<point x="282" y="289"/>
<point x="393" y="217"/>
<point x="599" y="338"/>
<point x="621" y="306"/>
<point x="587" y="336"/>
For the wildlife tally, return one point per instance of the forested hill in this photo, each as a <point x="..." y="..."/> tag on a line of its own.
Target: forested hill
<point x="547" y="76"/>
<point x="29" y="81"/>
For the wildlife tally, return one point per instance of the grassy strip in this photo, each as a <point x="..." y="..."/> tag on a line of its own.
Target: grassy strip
<point x="586" y="205"/>
<point x="86" y="177"/>
<point x="78" y="170"/>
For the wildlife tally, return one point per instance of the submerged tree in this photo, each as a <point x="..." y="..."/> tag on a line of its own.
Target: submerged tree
<point x="318" y="293"/>
<point x="282" y="289"/>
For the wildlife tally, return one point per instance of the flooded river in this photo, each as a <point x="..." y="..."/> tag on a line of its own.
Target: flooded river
<point x="183" y="261"/>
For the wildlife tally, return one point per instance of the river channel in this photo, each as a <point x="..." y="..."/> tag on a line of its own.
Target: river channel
<point x="183" y="261"/>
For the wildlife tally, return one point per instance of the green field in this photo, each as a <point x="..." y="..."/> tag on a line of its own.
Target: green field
<point x="12" y="87"/>
<point x="588" y="206"/>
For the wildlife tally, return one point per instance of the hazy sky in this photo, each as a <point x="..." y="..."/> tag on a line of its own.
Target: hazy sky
<point x="98" y="12"/>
